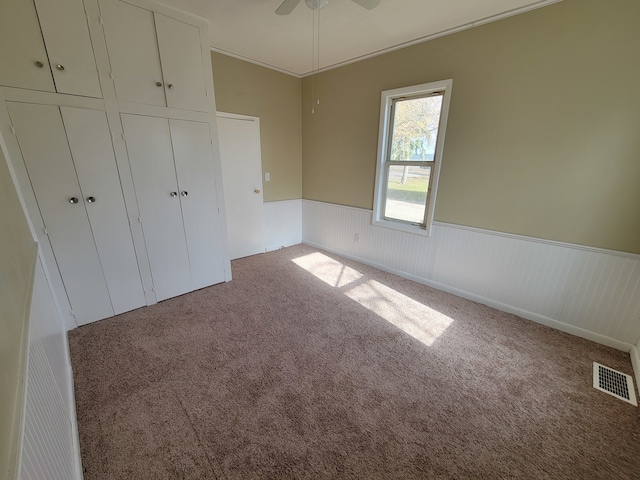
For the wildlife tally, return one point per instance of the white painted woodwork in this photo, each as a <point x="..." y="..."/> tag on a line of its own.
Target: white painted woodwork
<point x="49" y="438"/>
<point x="242" y="177"/>
<point x="196" y="178"/>
<point x="182" y="69"/>
<point x="41" y="135"/>
<point x="133" y="52"/>
<point x="92" y="151"/>
<point x="588" y="292"/>
<point x="282" y="223"/>
<point x="21" y="46"/>
<point x="150" y="151"/>
<point x="66" y="34"/>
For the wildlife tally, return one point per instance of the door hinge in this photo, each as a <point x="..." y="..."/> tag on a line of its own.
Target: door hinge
<point x="46" y="232"/>
<point x="73" y="314"/>
<point x="140" y="220"/>
<point x="13" y="130"/>
<point x="100" y="18"/>
<point x="123" y="136"/>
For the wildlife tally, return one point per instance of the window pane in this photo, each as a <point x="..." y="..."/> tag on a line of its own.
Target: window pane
<point x="415" y="128"/>
<point x="407" y="193"/>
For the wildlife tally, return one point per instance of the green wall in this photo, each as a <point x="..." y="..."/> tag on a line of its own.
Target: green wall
<point x="543" y="135"/>
<point x="17" y="256"/>
<point x="248" y="89"/>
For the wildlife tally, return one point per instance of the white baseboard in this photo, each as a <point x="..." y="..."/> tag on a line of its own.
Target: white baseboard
<point x="579" y="332"/>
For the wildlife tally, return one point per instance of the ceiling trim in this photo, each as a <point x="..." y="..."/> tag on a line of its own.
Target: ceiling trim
<point x="255" y="62"/>
<point x="433" y="36"/>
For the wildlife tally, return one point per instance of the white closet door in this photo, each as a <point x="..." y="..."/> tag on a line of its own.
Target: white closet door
<point x="133" y="52"/>
<point x="154" y="177"/>
<point x="66" y="33"/>
<point x="92" y="151"/>
<point x="21" y="47"/>
<point x="196" y="179"/>
<point x="182" y="68"/>
<point x="42" y="140"/>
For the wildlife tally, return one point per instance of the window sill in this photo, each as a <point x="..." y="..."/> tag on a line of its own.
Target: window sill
<point x="403" y="227"/>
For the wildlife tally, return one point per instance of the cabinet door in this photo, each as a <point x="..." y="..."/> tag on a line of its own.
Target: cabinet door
<point x="182" y="68"/>
<point x="92" y="151"/>
<point x="196" y="179"/>
<point x="133" y="52"/>
<point x="66" y="33"/>
<point x="154" y="177"/>
<point x="45" y="151"/>
<point x="23" y="58"/>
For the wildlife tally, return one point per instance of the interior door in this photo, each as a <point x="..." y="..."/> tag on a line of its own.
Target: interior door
<point x="92" y="151"/>
<point x="182" y="68"/>
<point x="23" y="58"/>
<point x="133" y="52"/>
<point x="242" y="180"/>
<point x="64" y="27"/>
<point x="154" y="177"/>
<point x="196" y="180"/>
<point x="41" y="136"/>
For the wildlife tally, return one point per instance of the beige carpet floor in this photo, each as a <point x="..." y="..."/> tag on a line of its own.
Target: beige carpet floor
<point x="308" y="365"/>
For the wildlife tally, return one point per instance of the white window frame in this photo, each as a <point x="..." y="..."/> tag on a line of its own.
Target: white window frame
<point x="380" y="193"/>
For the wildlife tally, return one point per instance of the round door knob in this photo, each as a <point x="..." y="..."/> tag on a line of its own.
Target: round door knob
<point x="184" y="193"/>
<point x="170" y="86"/>
<point x="174" y="194"/>
<point x="91" y="199"/>
<point x="256" y="191"/>
<point x="60" y="67"/>
<point x="158" y="84"/>
<point x="39" y="64"/>
<point x="73" y="200"/>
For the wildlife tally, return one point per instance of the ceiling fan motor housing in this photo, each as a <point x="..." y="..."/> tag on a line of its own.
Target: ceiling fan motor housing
<point x="316" y="4"/>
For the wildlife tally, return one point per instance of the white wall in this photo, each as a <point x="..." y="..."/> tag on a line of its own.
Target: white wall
<point x="49" y="445"/>
<point x="282" y="225"/>
<point x="585" y="291"/>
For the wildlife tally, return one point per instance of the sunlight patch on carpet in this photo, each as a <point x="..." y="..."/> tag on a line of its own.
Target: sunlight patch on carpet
<point x="421" y="322"/>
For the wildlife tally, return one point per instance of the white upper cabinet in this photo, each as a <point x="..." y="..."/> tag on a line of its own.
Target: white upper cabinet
<point x="155" y="59"/>
<point x="66" y="33"/>
<point x="47" y="44"/>
<point x="22" y="54"/>
<point x="181" y="55"/>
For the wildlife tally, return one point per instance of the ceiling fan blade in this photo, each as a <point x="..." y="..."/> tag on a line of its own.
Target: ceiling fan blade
<point x="368" y="4"/>
<point x="287" y="7"/>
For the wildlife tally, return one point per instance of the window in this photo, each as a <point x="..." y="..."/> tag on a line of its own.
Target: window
<point x="413" y="121"/>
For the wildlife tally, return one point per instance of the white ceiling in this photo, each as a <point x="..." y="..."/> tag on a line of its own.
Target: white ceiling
<point x="251" y="30"/>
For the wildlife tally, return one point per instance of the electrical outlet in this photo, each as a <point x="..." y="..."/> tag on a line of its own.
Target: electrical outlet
<point x="267" y="177"/>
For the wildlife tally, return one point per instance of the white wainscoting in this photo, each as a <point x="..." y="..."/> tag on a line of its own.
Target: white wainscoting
<point x="282" y="225"/>
<point x="585" y="291"/>
<point x="50" y="447"/>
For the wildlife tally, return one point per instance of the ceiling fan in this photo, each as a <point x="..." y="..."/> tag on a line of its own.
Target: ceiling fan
<point x="288" y="5"/>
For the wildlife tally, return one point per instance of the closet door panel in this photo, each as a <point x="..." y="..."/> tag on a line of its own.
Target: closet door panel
<point x="150" y="155"/>
<point x="21" y="46"/>
<point x="196" y="177"/>
<point x="182" y="68"/>
<point x="133" y="52"/>
<point x="92" y="151"/>
<point x="66" y="33"/>
<point x="42" y="140"/>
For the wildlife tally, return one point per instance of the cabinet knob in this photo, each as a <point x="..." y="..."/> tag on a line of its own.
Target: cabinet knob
<point x="170" y="86"/>
<point x="158" y="84"/>
<point x="39" y="64"/>
<point x="91" y="199"/>
<point x="60" y="67"/>
<point x="184" y="193"/>
<point x="73" y="200"/>
<point x="256" y="191"/>
<point x="174" y="194"/>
